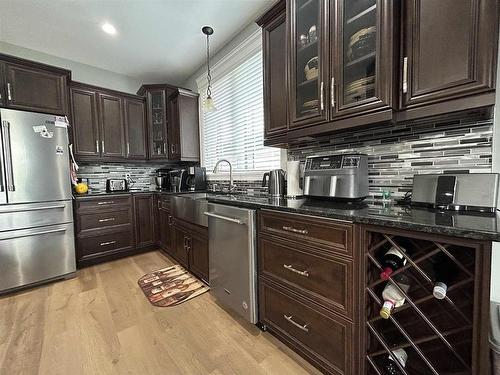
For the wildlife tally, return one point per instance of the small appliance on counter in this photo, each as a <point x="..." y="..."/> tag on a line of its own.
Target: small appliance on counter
<point x="178" y="178"/>
<point x="196" y="179"/>
<point x="116" y="185"/>
<point x="294" y="185"/>
<point x="457" y="192"/>
<point x="339" y="177"/>
<point x="275" y="182"/>
<point x="162" y="179"/>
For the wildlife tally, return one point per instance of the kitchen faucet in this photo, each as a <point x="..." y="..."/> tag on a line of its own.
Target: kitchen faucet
<point x="216" y="168"/>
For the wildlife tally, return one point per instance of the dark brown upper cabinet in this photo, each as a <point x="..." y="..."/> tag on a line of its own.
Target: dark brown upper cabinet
<point x="183" y="126"/>
<point x="362" y="58"/>
<point x="30" y="86"/>
<point x="449" y="52"/>
<point x="274" y="43"/>
<point x="157" y="118"/>
<point x="112" y="127"/>
<point x="135" y="128"/>
<point x="308" y="61"/>
<point x="107" y="125"/>
<point x="85" y="129"/>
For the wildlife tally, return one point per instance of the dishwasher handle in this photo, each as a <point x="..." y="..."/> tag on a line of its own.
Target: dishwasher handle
<point x="233" y="220"/>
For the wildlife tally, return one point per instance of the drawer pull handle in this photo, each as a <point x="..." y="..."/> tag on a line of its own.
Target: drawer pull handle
<point x="289" y="267"/>
<point x="105" y="202"/>
<point x="294" y="230"/>
<point x="107" y="219"/>
<point x="300" y="326"/>
<point x="108" y="243"/>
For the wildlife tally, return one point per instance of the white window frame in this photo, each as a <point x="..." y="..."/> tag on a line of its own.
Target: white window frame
<point x="251" y="45"/>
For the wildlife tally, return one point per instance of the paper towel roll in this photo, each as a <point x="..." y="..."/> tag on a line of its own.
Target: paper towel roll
<point x="293" y="179"/>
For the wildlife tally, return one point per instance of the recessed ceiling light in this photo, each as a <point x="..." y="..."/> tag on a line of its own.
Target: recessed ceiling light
<point x="109" y="28"/>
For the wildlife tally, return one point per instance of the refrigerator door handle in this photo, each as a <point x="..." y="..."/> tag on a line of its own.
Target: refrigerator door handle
<point x="33" y="233"/>
<point x="8" y="156"/>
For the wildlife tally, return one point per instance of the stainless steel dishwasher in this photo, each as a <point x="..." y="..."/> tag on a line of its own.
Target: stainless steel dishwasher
<point x="232" y="255"/>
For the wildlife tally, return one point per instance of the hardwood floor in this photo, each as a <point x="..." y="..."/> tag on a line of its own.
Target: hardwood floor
<point x="101" y="323"/>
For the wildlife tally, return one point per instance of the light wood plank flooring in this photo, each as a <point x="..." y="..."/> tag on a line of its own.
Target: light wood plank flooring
<point x="101" y="323"/>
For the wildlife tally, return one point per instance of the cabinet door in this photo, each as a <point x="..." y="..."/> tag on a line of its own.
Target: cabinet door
<point x="135" y="127"/>
<point x="188" y="129"/>
<point x="275" y="79"/>
<point x="157" y="120"/>
<point x="170" y="240"/>
<point x="198" y="255"/>
<point x="174" y="147"/>
<point x="163" y="230"/>
<point x="181" y="246"/>
<point x="308" y="61"/>
<point x="362" y="57"/>
<point x="36" y="89"/>
<point x="144" y="219"/>
<point x="449" y="49"/>
<point x="3" y="96"/>
<point x="112" y="126"/>
<point x="85" y="127"/>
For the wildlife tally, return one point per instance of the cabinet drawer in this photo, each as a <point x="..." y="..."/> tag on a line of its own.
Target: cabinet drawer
<point x="104" y="244"/>
<point x="327" y="280"/>
<point x="323" y="338"/>
<point x="98" y="220"/>
<point x="329" y="234"/>
<point x="164" y="202"/>
<point x="105" y="202"/>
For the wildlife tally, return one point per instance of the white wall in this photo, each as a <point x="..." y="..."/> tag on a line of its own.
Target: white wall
<point x="218" y="55"/>
<point x="79" y="72"/>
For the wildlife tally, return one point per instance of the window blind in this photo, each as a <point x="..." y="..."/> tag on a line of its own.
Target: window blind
<point x="235" y="131"/>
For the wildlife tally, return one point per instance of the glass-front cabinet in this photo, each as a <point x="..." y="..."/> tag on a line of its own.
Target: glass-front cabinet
<point x="308" y="61"/>
<point x="158" y="124"/>
<point x="362" y="60"/>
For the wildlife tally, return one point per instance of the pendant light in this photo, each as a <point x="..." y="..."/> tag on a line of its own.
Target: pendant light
<point x="208" y="105"/>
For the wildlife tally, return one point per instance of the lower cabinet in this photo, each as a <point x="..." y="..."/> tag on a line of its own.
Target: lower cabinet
<point x="112" y="226"/>
<point x="191" y="247"/>
<point x="307" y="287"/>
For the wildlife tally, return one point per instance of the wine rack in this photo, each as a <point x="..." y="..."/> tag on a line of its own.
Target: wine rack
<point x="439" y="336"/>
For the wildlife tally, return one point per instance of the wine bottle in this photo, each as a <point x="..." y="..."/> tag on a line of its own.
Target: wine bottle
<point x="445" y="271"/>
<point x="393" y="260"/>
<point x="392" y="296"/>
<point x="389" y="365"/>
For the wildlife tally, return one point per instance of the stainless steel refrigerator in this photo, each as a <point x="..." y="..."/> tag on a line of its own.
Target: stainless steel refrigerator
<point x="36" y="218"/>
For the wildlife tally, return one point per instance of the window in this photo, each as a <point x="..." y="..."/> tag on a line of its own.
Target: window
<point x="235" y="131"/>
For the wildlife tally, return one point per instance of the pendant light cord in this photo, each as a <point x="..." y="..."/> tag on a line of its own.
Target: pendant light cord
<point x="209" y="76"/>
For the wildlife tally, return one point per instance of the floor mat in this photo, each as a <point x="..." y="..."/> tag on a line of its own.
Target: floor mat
<point x="171" y="286"/>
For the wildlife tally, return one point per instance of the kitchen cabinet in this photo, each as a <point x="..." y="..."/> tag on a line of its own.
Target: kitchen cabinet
<point x="449" y="52"/>
<point x="191" y="248"/>
<point x="144" y="219"/>
<point x="85" y="129"/>
<point x="30" y="86"/>
<point x="135" y="128"/>
<point x="308" y="287"/>
<point x="308" y="61"/>
<point x="183" y="126"/>
<point x="273" y="24"/>
<point x="157" y="118"/>
<point x="439" y="336"/>
<point x="107" y="125"/>
<point x="111" y="126"/>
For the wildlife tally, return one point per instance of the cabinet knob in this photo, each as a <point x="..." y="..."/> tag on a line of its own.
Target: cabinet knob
<point x="9" y="92"/>
<point x="405" y="75"/>
<point x="321" y="100"/>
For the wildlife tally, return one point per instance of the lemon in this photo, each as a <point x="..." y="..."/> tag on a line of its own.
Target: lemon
<point x="81" y="188"/>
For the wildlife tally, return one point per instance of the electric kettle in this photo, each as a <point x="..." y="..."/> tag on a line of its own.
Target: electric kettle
<point x="275" y="182"/>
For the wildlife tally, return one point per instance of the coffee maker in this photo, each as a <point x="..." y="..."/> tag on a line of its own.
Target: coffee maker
<point x="197" y="179"/>
<point x="162" y="179"/>
<point x="178" y="178"/>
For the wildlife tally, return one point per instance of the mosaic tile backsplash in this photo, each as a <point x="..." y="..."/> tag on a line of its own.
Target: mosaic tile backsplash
<point x="143" y="175"/>
<point x="455" y="143"/>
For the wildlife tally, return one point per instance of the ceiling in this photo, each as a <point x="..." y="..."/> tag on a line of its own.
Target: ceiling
<point x="157" y="40"/>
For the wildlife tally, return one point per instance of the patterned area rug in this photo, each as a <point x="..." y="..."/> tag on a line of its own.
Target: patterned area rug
<point x="171" y="286"/>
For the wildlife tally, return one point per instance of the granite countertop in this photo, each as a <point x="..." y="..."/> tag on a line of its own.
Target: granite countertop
<point x="132" y="191"/>
<point x="475" y="226"/>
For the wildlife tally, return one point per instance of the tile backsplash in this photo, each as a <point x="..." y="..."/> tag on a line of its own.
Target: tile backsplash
<point x="459" y="142"/>
<point x="143" y="175"/>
